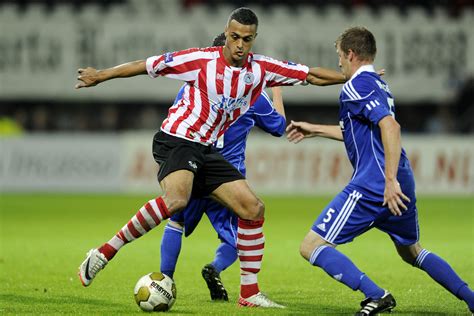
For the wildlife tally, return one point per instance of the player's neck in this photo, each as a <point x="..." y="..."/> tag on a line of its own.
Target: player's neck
<point x="231" y="62"/>
<point x="356" y="64"/>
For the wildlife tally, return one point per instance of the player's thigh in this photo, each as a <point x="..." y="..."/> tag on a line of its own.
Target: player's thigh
<point x="347" y="216"/>
<point x="237" y="196"/>
<point x="177" y="187"/>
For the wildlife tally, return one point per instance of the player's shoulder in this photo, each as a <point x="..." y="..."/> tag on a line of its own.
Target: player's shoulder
<point x="361" y="85"/>
<point x="200" y="52"/>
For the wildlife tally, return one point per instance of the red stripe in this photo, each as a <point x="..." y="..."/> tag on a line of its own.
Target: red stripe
<point x="162" y="207"/>
<point x="186" y="114"/>
<point x="251" y="258"/>
<point x="249" y="237"/>
<point x="205" y="106"/>
<point x="248" y="224"/>
<point x="253" y="270"/>
<point x="132" y="230"/>
<point x="284" y="71"/>
<point x="234" y="84"/>
<point x="122" y="236"/>
<point x="254" y="247"/>
<point x="143" y="221"/>
<point x="273" y="83"/>
<point x="182" y="68"/>
<point x="151" y="212"/>
<point x="156" y="62"/>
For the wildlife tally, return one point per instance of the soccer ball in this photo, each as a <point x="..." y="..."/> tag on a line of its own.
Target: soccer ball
<point x="155" y="292"/>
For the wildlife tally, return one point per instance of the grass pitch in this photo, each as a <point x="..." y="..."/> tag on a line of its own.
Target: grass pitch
<point x="44" y="238"/>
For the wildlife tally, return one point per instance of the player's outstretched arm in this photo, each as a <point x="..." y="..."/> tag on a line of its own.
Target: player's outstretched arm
<point x="90" y="77"/>
<point x="297" y="131"/>
<point x="324" y="77"/>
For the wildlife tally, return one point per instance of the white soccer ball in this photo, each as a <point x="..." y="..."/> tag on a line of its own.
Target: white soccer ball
<point x="155" y="292"/>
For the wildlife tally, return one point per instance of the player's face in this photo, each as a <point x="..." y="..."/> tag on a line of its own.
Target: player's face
<point x="344" y="62"/>
<point x="239" y="41"/>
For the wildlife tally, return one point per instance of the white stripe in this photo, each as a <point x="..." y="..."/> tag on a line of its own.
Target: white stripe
<point x="341" y="217"/>
<point x="316" y="253"/>
<point x="368" y="107"/>
<point x="349" y="94"/>
<point x="346" y="217"/>
<point x="127" y="233"/>
<point x="250" y="264"/>
<point x="173" y="229"/>
<point x="138" y="226"/>
<point x="348" y="201"/>
<point x="258" y="252"/>
<point x="147" y="217"/>
<point x="373" y="150"/>
<point x="355" y="145"/>
<point x="232" y="230"/>
<point x="361" y="98"/>
<point x="253" y="242"/>
<point x="373" y="104"/>
<point x="421" y="257"/>
<point x="377" y="102"/>
<point x="252" y="231"/>
<point x="351" y="87"/>
<point x="154" y="206"/>
<point x="246" y="279"/>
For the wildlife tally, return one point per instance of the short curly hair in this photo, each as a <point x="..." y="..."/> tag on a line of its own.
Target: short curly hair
<point x="244" y="16"/>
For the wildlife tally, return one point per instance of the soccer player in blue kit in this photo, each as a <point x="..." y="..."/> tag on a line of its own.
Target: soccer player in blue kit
<point x="232" y="146"/>
<point x="381" y="192"/>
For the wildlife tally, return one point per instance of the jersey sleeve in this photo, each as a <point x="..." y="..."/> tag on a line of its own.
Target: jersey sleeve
<point x="363" y="100"/>
<point x="267" y="118"/>
<point x="181" y="65"/>
<point x="283" y="73"/>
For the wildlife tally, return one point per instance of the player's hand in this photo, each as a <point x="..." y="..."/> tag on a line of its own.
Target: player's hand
<point x="381" y="72"/>
<point x="88" y="77"/>
<point x="297" y="131"/>
<point x="393" y="197"/>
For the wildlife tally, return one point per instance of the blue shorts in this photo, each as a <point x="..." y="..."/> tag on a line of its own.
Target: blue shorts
<point x="353" y="212"/>
<point x="221" y="218"/>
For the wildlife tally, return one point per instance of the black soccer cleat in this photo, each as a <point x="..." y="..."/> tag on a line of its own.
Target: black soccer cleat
<point x="214" y="283"/>
<point x="372" y="307"/>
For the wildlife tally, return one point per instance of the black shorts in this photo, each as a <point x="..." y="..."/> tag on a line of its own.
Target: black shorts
<point x="209" y="167"/>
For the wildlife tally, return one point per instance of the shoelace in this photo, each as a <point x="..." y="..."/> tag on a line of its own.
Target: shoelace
<point x="97" y="266"/>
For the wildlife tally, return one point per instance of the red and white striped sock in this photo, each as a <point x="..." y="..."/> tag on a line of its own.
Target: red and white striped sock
<point x="250" y="244"/>
<point x="149" y="216"/>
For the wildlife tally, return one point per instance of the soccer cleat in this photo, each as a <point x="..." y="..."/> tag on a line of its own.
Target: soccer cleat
<point x="372" y="307"/>
<point x="94" y="262"/>
<point x="258" y="300"/>
<point x="214" y="283"/>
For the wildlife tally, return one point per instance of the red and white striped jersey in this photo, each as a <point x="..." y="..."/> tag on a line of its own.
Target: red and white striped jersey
<point x="216" y="94"/>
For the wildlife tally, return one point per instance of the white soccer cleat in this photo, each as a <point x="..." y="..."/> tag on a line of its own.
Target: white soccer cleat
<point x="94" y="262"/>
<point x="258" y="300"/>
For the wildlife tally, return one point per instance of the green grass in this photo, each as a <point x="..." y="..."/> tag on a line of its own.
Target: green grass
<point x="45" y="237"/>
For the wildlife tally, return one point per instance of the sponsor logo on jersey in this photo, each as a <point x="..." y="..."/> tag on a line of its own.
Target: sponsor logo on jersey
<point x="229" y="105"/>
<point x="168" y="57"/>
<point x="290" y="63"/>
<point x="220" y="76"/>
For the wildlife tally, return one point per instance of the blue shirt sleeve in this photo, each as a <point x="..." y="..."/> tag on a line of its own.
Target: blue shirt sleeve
<point x="267" y="118"/>
<point x="364" y="99"/>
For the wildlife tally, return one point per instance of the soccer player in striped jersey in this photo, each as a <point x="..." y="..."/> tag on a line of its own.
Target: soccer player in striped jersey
<point x="221" y="84"/>
<point x="271" y="119"/>
<point x="381" y="192"/>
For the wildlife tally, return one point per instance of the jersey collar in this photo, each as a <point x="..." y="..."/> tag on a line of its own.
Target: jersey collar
<point x="368" y="68"/>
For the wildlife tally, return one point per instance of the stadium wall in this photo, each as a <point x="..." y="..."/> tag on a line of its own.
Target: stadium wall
<point x="426" y="57"/>
<point x="124" y="164"/>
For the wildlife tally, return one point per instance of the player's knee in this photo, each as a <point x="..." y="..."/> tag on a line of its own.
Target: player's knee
<point x="305" y="252"/>
<point x="253" y="210"/>
<point x="175" y="204"/>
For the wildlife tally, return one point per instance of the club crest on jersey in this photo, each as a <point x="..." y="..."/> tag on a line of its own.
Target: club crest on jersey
<point x="229" y="104"/>
<point x="248" y="78"/>
<point x="168" y="57"/>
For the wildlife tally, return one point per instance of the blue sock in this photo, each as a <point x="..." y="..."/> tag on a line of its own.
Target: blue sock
<point x="170" y="248"/>
<point x="225" y="256"/>
<point x="440" y="271"/>
<point x="341" y="268"/>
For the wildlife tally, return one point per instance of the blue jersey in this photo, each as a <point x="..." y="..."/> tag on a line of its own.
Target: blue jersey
<point x="365" y="99"/>
<point x="233" y="142"/>
<point x="232" y="146"/>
